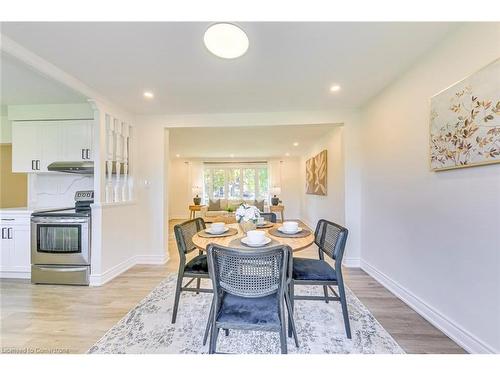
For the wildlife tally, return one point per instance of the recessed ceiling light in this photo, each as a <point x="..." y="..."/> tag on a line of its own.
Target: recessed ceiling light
<point x="148" y="94"/>
<point x="295" y="144"/>
<point x="335" y="88"/>
<point x="226" y="40"/>
<point x="177" y="155"/>
<point x="287" y="154"/>
<point x="232" y="155"/>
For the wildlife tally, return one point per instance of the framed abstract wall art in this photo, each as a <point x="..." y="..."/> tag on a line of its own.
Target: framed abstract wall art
<point x="465" y="122"/>
<point x="316" y="173"/>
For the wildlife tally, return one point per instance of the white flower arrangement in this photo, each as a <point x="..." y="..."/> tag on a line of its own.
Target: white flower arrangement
<point x="246" y="212"/>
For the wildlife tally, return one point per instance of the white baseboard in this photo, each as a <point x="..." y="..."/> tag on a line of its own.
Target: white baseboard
<point x="103" y="278"/>
<point x="15" y="275"/>
<point x="151" y="259"/>
<point x="179" y="217"/>
<point x="351" y="262"/>
<point x="462" y="337"/>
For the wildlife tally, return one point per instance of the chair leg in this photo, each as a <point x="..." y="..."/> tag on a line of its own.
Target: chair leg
<point x="177" y="296"/>
<point x="291" y="321"/>
<point x="325" y="291"/>
<point x="290" y="313"/>
<point x="209" y="323"/>
<point x="284" y="349"/>
<point x="198" y="282"/>
<point x="213" y="339"/>
<point x="345" y="313"/>
<point x="226" y="331"/>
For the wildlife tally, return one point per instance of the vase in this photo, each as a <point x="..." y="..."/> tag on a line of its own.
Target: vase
<point x="247" y="225"/>
<point x="197" y="200"/>
<point x="275" y="200"/>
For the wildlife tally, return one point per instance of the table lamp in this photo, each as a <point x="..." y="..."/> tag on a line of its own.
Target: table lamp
<point x="276" y="190"/>
<point x="196" y="191"/>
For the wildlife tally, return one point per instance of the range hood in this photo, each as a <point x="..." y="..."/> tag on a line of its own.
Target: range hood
<point x="79" y="167"/>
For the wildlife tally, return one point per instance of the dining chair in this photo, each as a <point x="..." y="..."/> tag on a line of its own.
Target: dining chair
<point x="269" y="216"/>
<point x="330" y="239"/>
<point x="196" y="268"/>
<point x="249" y="290"/>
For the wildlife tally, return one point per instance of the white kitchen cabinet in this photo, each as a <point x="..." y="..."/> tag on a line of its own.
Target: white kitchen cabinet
<point x="16" y="247"/>
<point x="26" y="149"/>
<point x="50" y="144"/>
<point x="76" y="140"/>
<point x="36" y="144"/>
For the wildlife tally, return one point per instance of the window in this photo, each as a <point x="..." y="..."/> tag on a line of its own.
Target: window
<point x="249" y="183"/>
<point x="236" y="181"/>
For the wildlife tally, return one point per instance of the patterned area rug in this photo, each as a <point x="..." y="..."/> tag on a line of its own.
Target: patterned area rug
<point x="320" y="328"/>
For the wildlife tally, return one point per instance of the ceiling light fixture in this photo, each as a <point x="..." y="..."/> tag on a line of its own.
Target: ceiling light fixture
<point x="148" y="94"/>
<point x="177" y="155"/>
<point x="232" y="155"/>
<point x="335" y="88"/>
<point x="295" y="144"/>
<point x="226" y="40"/>
<point x="287" y="154"/>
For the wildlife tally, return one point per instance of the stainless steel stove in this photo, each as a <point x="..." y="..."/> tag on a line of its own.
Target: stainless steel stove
<point x="61" y="243"/>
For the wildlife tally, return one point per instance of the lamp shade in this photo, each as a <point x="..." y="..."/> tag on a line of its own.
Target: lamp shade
<point x="196" y="190"/>
<point x="276" y="190"/>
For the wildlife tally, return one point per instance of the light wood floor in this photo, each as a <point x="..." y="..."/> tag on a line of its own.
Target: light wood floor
<point x="43" y="318"/>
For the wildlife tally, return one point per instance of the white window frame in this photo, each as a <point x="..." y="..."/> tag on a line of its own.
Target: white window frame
<point x="227" y="167"/>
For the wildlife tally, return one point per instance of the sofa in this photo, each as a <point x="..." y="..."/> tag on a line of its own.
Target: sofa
<point x="206" y="213"/>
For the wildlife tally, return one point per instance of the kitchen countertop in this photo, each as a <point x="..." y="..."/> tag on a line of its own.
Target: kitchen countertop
<point x="25" y="210"/>
<point x="16" y="210"/>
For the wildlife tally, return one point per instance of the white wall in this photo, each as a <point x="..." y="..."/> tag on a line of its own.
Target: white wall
<point x="285" y="173"/>
<point x="5" y="129"/>
<point x="433" y="238"/>
<point x="179" y="192"/>
<point x="332" y="205"/>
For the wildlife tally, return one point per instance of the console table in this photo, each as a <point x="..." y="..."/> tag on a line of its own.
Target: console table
<point x="193" y="208"/>
<point x="279" y="208"/>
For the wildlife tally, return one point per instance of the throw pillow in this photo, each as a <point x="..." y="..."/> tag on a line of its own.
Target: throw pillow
<point x="214" y="205"/>
<point x="235" y="206"/>
<point x="259" y="205"/>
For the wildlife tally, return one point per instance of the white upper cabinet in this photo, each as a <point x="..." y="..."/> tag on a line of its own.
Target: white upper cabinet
<point x="26" y="149"/>
<point x="36" y="144"/>
<point x="50" y="144"/>
<point x="76" y="140"/>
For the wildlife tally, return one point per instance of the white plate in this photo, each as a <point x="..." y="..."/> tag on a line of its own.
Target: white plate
<point x="264" y="223"/>
<point x="209" y="230"/>
<point x="282" y="230"/>
<point x="247" y="242"/>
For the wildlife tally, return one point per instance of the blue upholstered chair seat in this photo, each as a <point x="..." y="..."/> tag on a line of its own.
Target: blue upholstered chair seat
<point x="198" y="264"/>
<point x="240" y="311"/>
<point x="312" y="269"/>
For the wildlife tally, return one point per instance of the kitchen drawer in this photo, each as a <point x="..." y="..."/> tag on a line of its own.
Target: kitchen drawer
<point x="65" y="275"/>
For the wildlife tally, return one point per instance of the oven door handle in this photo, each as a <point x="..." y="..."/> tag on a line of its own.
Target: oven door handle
<point x="62" y="269"/>
<point x="53" y="220"/>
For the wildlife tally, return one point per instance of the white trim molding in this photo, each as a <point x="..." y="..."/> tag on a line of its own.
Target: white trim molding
<point x="110" y="274"/>
<point x="351" y="262"/>
<point x="15" y="275"/>
<point x="462" y="337"/>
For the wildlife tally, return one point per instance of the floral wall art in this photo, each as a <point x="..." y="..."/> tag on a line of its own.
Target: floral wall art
<point x="465" y="122"/>
<point x="316" y="168"/>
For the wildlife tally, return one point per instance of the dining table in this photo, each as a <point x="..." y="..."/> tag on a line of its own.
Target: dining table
<point x="296" y="244"/>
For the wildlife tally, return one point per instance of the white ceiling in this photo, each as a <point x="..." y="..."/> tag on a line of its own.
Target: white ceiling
<point x="288" y="67"/>
<point x="244" y="142"/>
<point x="20" y="84"/>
